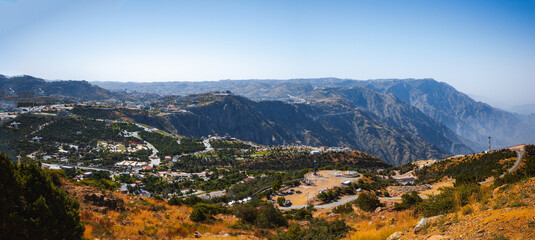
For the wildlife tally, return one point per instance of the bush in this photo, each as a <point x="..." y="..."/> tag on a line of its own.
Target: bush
<point x="346" y="208"/>
<point x="264" y="217"/>
<point x="300" y="214"/>
<point x="270" y="217"/>
<point x="175" y="201"/>
<point x="319" y="229"/>
<point x="246" y="212"/>
<point x="368" y="201"/>
<point x="408" y="201"/>
<point x="450" y="199"/>
<point x="467" y="210"/>
<point x="203" y="212"/>
<point x="281" y="201"/>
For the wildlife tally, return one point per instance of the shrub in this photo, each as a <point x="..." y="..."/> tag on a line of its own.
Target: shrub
<point x="270" y="217"/>
<point x="367" y="201"/>
<point x="203" y="212"/>
<point x="449" y="199"/>
<point x="467" y="210"/>
<point x="408" y="201"/>
<point x="246" y="212"/>
<point x="346" y="208"/>
<point x="318" y="229"/>
<point x="281" y="201"/>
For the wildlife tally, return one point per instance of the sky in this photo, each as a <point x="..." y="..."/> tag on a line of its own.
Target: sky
<point x="483" y="48"/>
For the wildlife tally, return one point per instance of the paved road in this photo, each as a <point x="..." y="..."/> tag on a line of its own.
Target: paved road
<point x="80" y="167"/>
<point x="341" y="202"/>
<point x="517" y="162"/>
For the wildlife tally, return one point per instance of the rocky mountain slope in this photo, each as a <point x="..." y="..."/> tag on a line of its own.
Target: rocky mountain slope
<point x="391" y="110"/>
<point x="471" y="120"/>
<point x="276" y="123"/>
<point x="28" y="86"/>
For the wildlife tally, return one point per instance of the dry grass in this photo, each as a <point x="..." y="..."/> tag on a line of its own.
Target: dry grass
<point x="378" y="229"/>
<point x="154" y="219"/>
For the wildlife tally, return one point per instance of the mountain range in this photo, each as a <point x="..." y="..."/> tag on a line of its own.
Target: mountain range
<point x="398" y="120"/>
<point x="471" y="120"/>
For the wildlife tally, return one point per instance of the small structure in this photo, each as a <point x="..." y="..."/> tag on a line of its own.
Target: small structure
<point x="349" y="174"/>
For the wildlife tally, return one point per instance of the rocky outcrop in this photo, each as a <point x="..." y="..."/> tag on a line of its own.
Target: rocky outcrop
<point x="105" y="202"/>
<point x="400" y="190"/>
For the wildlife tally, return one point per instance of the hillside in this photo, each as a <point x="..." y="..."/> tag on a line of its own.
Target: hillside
<point x="468" y="118"/>
<point x="28" y="86"/>
<point x="393" y="111"/>
<point x="506" y="214"/>
<point x="278" y="123"/>
<point x="472" y="121"/>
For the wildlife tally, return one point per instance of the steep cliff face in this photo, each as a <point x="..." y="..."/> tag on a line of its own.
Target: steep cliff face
<point x="392" y="111"/>
<point x="470" y="120"/>
<point x="274" y="122"/>
<point x="473" y="120"/>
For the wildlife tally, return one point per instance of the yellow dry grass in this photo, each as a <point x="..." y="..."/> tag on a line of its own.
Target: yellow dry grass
<point x="154" y="219"/>
<point x="380" y="227"/>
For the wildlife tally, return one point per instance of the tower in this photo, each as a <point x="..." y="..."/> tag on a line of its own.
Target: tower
<point x="315" y="168"/>
<point x="489" y="143"/>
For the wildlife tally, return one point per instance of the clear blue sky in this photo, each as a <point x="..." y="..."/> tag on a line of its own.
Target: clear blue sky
<point x="485" y="48"/>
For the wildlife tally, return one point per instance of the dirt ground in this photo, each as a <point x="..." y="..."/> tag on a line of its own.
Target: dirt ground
<point x="324" y="180"/>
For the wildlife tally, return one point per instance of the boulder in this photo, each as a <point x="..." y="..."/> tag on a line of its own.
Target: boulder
<point x="378" y="209"/>
<point x="395" y="236"/>
<point x="421" y="224"/>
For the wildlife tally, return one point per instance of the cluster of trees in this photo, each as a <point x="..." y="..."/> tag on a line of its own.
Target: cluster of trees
<point x="203" y="212"/>
<point x="33" y="206"/>
<point x="343" y="209"/>
<point x="408" y="200"/>
<point x="191" y="163"/>
<point x="330" y="195"/>
<point x="80" y="131"/>
<point x="96" y="113"/>
<point x="300" y="214"/>
<point x="215" y="183"/>
<point x="268" y="180"/>
<point x="341" y="161"/>
<point x="100" y="179"/>
<point x="221" y="144"/>
<point x="318" y="229"/>
<point x="168" y="146"/>
<point x="265" y="216"/>
<point x="477" y="167"/>
<point x="368" y="201"/>
<point x="450" y="199"/>
<point x="527" y="171"/>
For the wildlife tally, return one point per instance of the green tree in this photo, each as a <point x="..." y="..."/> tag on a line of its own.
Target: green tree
<point x="281" y="201"/>
<point x="269" y="217"/>
<point x="367" y="201"/>
<point x="33" y="207"/>
<point x="203" y="212"/>
<point x="408" y="201"/>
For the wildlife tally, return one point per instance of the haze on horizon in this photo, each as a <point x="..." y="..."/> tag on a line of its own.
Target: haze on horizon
<point x="482" y="48"/>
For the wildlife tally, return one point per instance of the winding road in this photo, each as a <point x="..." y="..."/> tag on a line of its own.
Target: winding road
<point x="349" y="199"/>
